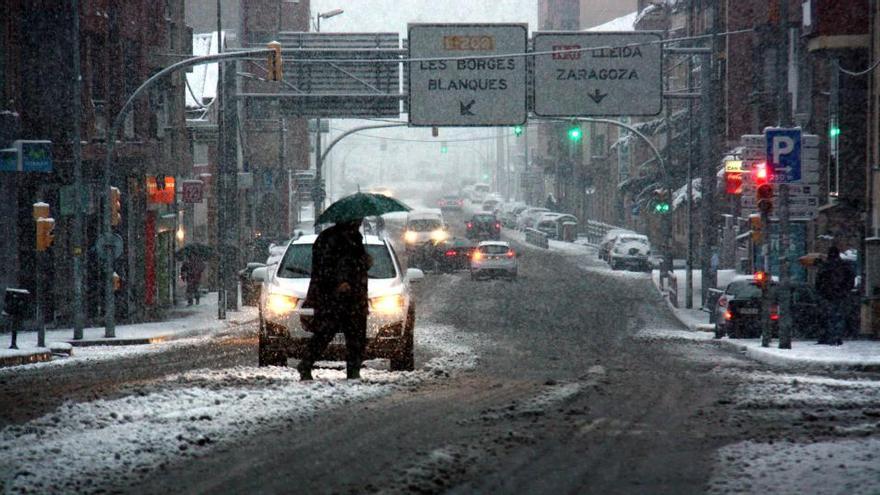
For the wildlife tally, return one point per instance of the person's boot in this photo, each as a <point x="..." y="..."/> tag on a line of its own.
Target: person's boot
<point x="305" y="371"/>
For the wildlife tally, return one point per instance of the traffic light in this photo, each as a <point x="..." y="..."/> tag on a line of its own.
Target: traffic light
<point x="761" y="173"/>
<point x="45" y="233"/>
<point x="764" y="195"/>
<point x="517" y="130"/>
<point x="115" y="206"/>
<point x="757" y="228"/>
<point x="834" y="130"/>
<point x="661" y="201"/>
<point x="761" y="279"/>
<point x="274" y="67"/>
<point x="443" y="147"/>
<point x="574" y="132"/>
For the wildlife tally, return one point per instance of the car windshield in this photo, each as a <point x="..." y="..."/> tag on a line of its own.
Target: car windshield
<point x="494" y="249"/>
<point x="297" y="262"/>
<point x="624" y="239"/>
<point x="426" y="225"/>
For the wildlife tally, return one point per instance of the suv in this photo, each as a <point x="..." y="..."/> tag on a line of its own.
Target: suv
<point x="483" y="226"/>
<point x="390" y="324"/>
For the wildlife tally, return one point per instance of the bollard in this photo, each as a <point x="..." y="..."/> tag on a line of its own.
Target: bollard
<point x="221" y="304"/>
<point x="568" y="231"/>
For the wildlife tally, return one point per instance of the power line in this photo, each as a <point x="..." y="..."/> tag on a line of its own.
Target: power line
<point x="435" y="140"/>
<point x="859" y="73"/>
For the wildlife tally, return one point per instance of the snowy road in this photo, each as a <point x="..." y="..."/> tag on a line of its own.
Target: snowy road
<point x="572" y="379"/>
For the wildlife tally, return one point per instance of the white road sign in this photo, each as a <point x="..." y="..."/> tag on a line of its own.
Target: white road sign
<point x="620" y="75"/>
<point x="476" y="92"/>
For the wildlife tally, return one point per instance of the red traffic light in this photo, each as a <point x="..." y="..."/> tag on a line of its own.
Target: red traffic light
<point x="761" y="173"/>
<point x="761" y="279"/>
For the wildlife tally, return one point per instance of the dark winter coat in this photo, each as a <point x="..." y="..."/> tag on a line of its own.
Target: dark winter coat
<point x="191" y="270"/>
<point x="835" y="279"/>
<point x="340" y="263"/>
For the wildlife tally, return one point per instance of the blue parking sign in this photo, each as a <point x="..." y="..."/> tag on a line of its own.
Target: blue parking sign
<point x="784" y="154"/>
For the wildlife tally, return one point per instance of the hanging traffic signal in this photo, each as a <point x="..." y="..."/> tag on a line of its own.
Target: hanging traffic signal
<point x="517" y="130"/>
<point x="764" y="196"/>
<point x="45" y="233"/>
<point x="115" y="206"/>
<point x="761" y="173"/>
<point x="443" y="148"/>
<point x="834" y="131"/>
<point x="274" y="68"/>
<point x="574" y="132"/>
<point x="661" y="201"/>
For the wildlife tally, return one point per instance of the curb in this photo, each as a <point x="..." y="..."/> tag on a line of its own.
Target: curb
<point x="114" y="341"/>
<point x="793" y="361"/>
<point x="35" y="355"/>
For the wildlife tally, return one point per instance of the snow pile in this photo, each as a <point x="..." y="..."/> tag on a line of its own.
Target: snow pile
<point x="672" y="334"/>
<point x="622" y="23"/>
<point x="846" y="466"/>
<point x="772" y="390"/>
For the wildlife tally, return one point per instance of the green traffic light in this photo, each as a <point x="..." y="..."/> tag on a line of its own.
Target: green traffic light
<point x="443" y="148"/>
<point x="574" y="133"/>
<point x="834" y="131"/>
<point x="517" y="130"/>
<point x="661" y="207"/>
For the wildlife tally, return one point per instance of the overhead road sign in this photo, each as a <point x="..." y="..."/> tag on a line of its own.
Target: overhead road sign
<point x="484" y="91"/>
<point x="620" y="75"/>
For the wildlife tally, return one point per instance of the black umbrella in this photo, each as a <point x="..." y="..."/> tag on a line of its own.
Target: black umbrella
<point x="194" y="250"/>
<point x="360" y="205"/>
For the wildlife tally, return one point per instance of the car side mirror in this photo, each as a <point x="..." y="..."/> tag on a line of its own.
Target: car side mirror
<point x="414" y="274"/>
<point x="260" y="274"/>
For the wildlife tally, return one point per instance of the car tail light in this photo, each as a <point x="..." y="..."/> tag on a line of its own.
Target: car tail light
<point x="460" y="202"/>
<point x="497" y="225"/>
<point x="728" y="315"/>
<point x="451" y="252"/>
<point x="510" y="253"/>
<point x="774" y="312"/>
<point x="470" y="225"/>
<point x="722" y="301"/>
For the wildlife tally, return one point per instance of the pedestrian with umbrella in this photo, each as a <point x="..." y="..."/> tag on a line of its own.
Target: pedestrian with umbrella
<point x="192" y="268"/>
<point x="339" y="281"/>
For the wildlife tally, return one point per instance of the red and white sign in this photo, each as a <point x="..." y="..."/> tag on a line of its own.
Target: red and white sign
<point x="192" y="191"/>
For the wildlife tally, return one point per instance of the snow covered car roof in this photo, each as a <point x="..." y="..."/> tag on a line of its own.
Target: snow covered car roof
<point x="310" y="239"/>
<point x="424" y="215"/>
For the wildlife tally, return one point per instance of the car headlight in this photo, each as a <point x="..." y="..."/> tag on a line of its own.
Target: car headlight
<point x="410" y="236"/>
<point x="281" y="304"/>
<point x="387" y="305"/>
<point x="439" y="235"/>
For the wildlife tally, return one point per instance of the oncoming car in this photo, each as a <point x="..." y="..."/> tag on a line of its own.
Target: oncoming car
<point x="631" y="251"/>
<point x="493" y="258"/>
<point x="422" y="227"/>
<point x="390" y="324"/>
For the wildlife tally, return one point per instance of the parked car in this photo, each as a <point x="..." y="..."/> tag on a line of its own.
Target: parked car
<point x="632" y="251"/>
<point x="550" y="223"/>
<point x="738" y="310"/>
<point x="509" y="213"/>
<point x="390" y="324"/>
<point x="526" y="219"/>
<point x="494" y="258"/>
<point x="451" y="202"/>
<point x="422" y="227"/>
<point x="608" y="240"/>
<point x="483" y="226"/>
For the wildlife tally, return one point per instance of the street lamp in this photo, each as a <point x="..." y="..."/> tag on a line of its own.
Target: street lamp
<point x="318" y="190"/>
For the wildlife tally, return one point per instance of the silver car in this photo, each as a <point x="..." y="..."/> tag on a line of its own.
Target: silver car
<point x="494" y="258"/>
<point x="390" y="324"/>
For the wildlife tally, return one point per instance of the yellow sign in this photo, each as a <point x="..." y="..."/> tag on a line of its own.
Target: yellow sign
<point x="733" y="166"/>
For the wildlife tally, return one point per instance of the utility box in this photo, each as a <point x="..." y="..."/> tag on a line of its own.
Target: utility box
<point x="17" y="303"/>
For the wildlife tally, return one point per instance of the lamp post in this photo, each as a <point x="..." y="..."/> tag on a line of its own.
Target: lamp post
<point x="318" y="190"/>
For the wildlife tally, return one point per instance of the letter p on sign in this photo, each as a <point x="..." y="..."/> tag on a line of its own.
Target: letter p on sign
<point x="784" y="154"/>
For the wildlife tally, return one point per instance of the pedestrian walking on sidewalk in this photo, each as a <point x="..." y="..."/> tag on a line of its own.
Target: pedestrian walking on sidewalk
<point x="834" y="283"/>
<point x="191" y="273"/>
<point x="338" y="295"/>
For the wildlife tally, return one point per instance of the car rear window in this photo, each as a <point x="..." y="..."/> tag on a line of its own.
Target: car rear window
<point x="744" y="289"/>
<point x="481" y="188"/>
<point x="297" y="262"/>
<point x="494" y="249"/>
<point x="484" y="218"/>
<point x="426" y="225"/>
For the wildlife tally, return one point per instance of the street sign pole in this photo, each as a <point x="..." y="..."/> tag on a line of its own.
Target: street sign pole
<point x="78" y="313"/>
<point x="783" y="112"/>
